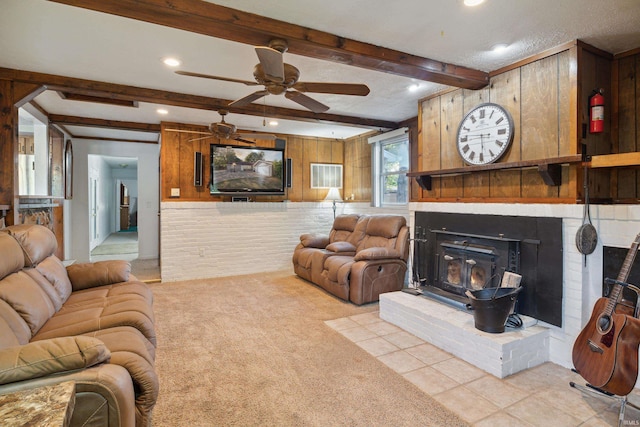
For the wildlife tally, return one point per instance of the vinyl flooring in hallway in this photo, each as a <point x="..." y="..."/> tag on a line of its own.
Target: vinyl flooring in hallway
<point x="124" y="246"/>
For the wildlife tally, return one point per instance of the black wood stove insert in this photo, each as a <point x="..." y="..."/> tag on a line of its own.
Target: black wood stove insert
<point x="470" y="262"/>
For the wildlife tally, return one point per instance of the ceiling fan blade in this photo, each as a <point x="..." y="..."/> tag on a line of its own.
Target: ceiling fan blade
<point x="224" y="79"/>
<point x="188" y="131"/>
<point x="336" y="88"/>
<point x="201" y="138"/>
<point x="256" y="136"/>
<point x="305" y="101"/>
<point x="249" y="98"/>
<point x="244" y="140"/>
<point x="272" y="63"/>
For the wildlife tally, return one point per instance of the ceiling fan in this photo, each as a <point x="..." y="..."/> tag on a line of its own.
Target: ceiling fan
<point x="279" y="78"/>
<point x="224" y="130"/>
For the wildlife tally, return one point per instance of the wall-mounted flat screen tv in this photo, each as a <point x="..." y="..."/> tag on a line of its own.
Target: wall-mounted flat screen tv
<point x="246" y="170"/>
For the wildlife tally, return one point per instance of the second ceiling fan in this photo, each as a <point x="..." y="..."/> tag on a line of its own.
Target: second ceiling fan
<point x="279" y="78"/>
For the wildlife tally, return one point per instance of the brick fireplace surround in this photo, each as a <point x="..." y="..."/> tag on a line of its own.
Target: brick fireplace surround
<point x="617" y="226"/>
<point x="203" y="239"/>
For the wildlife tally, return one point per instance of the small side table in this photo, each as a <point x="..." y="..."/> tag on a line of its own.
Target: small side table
<point x="46" y="406"/>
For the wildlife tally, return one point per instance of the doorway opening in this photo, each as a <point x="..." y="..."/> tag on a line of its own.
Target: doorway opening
<point x="113" y="213"/>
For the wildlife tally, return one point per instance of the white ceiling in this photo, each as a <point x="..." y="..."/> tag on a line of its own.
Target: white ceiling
<point x="46" y="37"/>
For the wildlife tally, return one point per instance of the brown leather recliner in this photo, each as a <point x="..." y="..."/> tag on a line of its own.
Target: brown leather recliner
<point x="371" y="259"/>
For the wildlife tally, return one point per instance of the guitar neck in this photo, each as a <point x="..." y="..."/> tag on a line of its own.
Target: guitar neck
<point x="616" y="291"/>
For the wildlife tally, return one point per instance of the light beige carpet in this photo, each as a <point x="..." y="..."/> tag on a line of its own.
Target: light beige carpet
<point x="255" y="351"/>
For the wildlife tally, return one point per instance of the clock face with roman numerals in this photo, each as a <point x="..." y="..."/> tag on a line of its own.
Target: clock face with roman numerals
<point x="485" y="134"/>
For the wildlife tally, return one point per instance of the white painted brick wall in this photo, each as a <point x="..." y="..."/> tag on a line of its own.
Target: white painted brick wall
<point x="208" y="239"/>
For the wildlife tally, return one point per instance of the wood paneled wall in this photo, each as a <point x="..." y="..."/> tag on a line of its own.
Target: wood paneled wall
<point x="177" y="153"/>
<point x="537" y="96"/>
<point x="626" y="130"/>
<point x="548" y="97"/>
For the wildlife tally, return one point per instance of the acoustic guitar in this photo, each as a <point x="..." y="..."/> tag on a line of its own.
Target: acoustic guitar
<point x="605" y="353"/>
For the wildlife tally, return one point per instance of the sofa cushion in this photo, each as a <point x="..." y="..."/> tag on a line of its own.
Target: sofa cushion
<point x="343" y="226"/>
<point x="28" y="299"/>
<point x="7" y="337"/>
<point x="46" y="286"/>
<point x="42" y="358"/>
<point x="382" y="231"/>
<point x="95" y="309"/>
<point x="37" y="242"/>
<point x="56" y="273"/>
<point x="16" y="325"/>
<point x="11" y="257"/>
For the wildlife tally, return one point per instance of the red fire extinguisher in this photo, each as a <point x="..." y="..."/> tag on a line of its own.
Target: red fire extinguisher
<point x="596" y="112"/>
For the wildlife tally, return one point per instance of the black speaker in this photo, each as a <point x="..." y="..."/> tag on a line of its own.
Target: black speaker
<point x="281" y="144"/>
<point x="289" y="172"/>
<point x="197" y="169"/>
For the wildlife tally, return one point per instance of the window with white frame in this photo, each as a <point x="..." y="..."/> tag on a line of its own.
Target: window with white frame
<point x="390" y="164"/>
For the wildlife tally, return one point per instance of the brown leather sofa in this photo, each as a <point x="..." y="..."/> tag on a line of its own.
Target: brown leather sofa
<point x="361" y="257"/>
<point x="91" y="323"/>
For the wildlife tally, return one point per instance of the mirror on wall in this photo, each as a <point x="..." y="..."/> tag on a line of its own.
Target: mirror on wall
<point x="33" y="155"/>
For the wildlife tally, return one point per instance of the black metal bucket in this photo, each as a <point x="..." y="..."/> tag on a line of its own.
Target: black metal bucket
<point x="492" y="306"/>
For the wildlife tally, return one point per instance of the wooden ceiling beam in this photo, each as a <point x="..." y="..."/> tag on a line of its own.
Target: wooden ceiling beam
<point x="60" y="119"/>
<point x="222" y="22"/>
<point x="96" y="138"/>
<point x="154" y="96"/>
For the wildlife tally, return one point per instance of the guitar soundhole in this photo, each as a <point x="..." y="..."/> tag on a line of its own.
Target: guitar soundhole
<point x="604" y="322"/>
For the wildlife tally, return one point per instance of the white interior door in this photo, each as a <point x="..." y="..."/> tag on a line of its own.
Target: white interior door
<point x="93" y="212"/>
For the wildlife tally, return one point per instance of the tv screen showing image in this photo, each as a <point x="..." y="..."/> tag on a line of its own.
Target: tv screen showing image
<point x="242" y="170"/>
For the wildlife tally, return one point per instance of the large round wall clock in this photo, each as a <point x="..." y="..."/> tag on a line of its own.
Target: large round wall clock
<point x="485" y="134"/>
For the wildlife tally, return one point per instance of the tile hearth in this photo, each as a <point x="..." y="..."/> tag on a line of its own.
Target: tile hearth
<point x="539" y="396"/>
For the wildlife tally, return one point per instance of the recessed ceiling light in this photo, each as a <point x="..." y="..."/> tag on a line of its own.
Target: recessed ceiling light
<point x="171" y="62"/>
<point x="162" y="111"/>
<point x="273" y="123"/>
<point x="473" y="2"/>
<point x="500" y="47"/>
<point x="414" y="87"/>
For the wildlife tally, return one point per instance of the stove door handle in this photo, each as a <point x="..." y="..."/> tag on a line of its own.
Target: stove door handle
<point x="471" y="261"/>
<point x="448" y="258"/>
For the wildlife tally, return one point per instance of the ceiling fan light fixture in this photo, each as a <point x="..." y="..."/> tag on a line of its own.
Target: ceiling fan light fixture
<point x="472" y="3"/>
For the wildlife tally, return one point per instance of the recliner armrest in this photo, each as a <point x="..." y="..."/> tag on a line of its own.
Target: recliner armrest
<point x="314" y="241"/>
<point x="42" y="358"/>
<point x="342" y="248"/>
<point x="377" y="253"/>
<point x="101" y="273"/>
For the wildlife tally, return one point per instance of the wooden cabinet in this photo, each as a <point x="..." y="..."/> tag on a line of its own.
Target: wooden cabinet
<point x="124" y="217"/>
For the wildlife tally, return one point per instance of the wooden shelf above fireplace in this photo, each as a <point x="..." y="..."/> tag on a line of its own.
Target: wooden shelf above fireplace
<point x="549" y="169"/>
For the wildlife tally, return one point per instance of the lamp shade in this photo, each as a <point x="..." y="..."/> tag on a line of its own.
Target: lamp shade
<point x="333" y="194"/>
